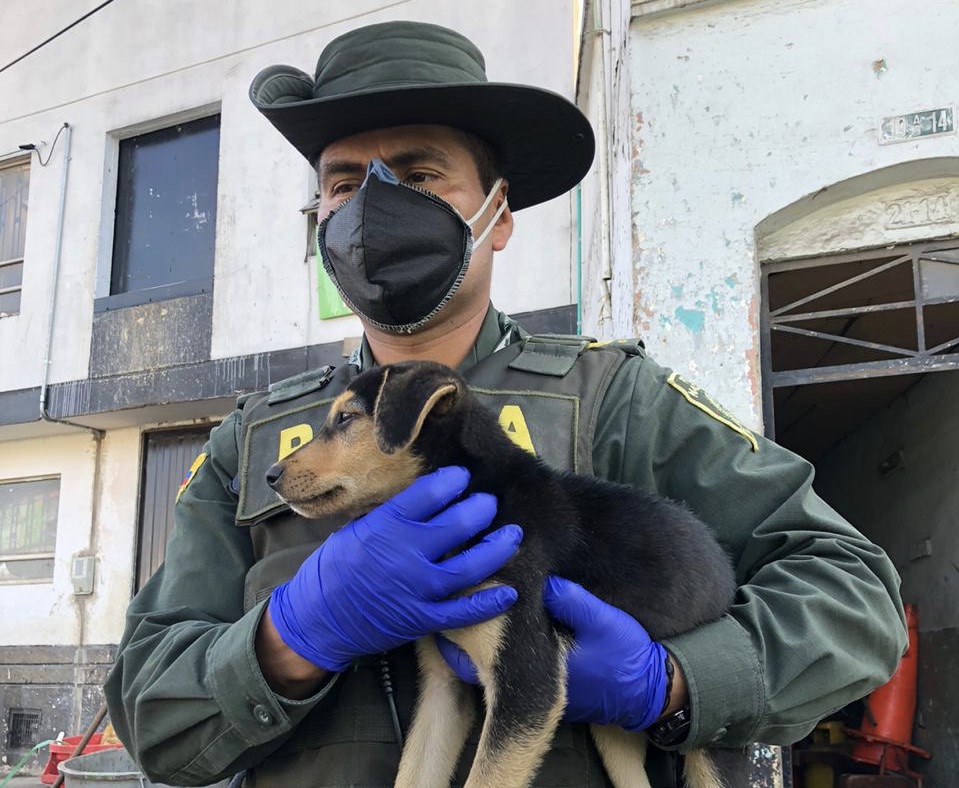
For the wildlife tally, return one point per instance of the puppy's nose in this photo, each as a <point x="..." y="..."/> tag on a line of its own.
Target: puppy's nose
<point x="273" y="474"/>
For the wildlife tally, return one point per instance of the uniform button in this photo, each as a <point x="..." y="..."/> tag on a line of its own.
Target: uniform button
<point x="262" y="714"/>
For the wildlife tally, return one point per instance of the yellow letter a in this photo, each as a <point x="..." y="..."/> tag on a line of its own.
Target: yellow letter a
<point x="513" y="422"/>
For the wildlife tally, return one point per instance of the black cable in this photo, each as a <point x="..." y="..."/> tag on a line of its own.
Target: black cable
<point x="386" y="681"/>
<point x="55" y="35"/>
<point x="52" y="147"/>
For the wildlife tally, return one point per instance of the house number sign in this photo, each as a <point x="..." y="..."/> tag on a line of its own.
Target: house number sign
<point x="913" y="125"/>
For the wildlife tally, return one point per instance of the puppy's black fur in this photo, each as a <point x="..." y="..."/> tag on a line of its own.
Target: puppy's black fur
<point x="645" y="555"/>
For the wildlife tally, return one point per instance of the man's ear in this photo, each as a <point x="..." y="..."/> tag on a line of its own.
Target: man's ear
<point x="404" y="401"/>
<point x="503" y="230"/>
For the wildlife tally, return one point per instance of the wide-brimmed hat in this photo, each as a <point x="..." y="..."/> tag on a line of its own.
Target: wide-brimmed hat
<point x="400" y="73"/>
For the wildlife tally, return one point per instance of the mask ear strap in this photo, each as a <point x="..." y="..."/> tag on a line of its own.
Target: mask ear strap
<point x="486" y="203"/>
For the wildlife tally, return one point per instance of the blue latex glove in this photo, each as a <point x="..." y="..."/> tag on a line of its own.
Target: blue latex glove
<point x="616" y="674"/>
<point x="379" y="581"/>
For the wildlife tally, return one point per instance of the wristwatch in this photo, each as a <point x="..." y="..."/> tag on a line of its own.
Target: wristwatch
<point x="671" y="730"/>
<point x="674" y="729"/>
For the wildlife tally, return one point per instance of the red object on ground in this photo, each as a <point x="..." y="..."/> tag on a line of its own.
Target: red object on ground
<point x="62" y="751"/>
<point x="886" y="730"/>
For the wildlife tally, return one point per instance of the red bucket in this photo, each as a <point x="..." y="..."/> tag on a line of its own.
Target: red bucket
<point x="63" y="750"/>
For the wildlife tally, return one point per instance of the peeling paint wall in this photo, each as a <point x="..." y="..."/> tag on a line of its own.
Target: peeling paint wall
<point x="606" y="230"/>
<point x="739" y="109"/>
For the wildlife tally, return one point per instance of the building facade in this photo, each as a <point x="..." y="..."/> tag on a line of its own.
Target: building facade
<point x="155" y="261"/>
<point x="776" y="212"/>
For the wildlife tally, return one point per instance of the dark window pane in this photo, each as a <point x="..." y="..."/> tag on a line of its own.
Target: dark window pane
<point x="166" y="206"/>
<point x="11" y="275"/>
<point x="14" y="190"/>
<point x="10" y="303"/>
<point x="28" y="517"/>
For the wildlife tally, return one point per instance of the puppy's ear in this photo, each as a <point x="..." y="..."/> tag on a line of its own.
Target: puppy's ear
<point x="405" y="400"/>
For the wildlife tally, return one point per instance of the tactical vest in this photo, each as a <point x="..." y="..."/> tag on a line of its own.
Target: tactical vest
<point x="546" y="391"/>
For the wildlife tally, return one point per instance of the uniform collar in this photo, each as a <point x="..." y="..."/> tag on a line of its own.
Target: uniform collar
<point x="498" y="331"/>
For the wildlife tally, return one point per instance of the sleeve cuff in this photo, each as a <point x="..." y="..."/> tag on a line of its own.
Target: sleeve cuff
<point x="725" y="683"/>
<point x="242" y="692"/>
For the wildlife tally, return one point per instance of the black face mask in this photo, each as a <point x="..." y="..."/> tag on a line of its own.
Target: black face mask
<point x="398" y="253"/>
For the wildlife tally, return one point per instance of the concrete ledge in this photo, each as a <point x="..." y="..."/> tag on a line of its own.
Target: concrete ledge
<point x="197" y="390"/>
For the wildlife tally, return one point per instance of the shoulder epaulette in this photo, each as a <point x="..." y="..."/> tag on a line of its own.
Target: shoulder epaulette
<point x="298" y="385"/>
<point x="555" y="354"/>
<point x="632" y="346"/>
<point x="550" y="354"/>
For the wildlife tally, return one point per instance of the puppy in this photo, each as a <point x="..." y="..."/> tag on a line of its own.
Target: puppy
<point x="650" y="557"/>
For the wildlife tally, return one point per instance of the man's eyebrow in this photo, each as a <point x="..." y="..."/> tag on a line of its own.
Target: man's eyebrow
<point x="425" y="154"/>
<point x="340" y="167"/>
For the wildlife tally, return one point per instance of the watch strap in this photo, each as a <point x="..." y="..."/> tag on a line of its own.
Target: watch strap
<point x="671" y="730"/>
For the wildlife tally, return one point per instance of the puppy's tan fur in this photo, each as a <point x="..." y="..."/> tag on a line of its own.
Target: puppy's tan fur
<point x="345" y="471"/>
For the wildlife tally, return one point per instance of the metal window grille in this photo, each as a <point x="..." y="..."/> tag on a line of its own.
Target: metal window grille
<point x="893" y="311"/>
<point x="23" y="728"/>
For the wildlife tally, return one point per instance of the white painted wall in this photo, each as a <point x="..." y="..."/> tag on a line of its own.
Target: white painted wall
<point x="48" y="613"/>
<point x="739" y="109"/>
<point x="130" y="66"/>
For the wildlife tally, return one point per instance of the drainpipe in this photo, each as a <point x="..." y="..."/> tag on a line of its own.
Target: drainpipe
<point x="95" y="433"/>
<point x="604" y="187"/>
<point x="579" y="258"/>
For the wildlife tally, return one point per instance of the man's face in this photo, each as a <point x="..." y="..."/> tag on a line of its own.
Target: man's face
<point x="435" y="158"/>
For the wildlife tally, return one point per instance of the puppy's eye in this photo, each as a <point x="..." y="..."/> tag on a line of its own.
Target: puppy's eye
<point x="344" y="417"/>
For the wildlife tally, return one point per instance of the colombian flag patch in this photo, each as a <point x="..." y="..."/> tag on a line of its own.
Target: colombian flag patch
<point x="190" y="474"/>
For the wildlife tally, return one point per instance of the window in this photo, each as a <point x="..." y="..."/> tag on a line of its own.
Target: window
<point x="164" y="234"/>
<point x="23" y="728"/>
<point x="14" y="189"/>
<point x="28" y="529"/>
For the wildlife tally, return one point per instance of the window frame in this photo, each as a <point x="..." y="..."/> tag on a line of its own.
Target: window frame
<point x="104" y="301"/>
<point x="9" y="164"/>
<point x="42" y="555"/>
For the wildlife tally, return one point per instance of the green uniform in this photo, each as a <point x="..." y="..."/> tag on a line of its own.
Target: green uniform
<point x="817" y="620"/>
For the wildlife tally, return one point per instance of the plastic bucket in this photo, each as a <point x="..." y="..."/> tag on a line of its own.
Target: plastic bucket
<point x="60" y="751"/>
<point x="105" y="769"/>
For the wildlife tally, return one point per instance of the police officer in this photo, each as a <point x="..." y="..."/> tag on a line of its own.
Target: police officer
<point x="280" y="647"/>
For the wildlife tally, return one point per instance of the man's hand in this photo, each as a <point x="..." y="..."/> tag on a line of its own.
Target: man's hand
<point x="616" y="674"/>
<point x="380" y="582"/>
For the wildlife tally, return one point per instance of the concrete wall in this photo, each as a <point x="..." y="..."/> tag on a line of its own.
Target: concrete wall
<point x="129" y="69"/>
<point x="739" y="109"/>
<point x="912" y="512"/>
